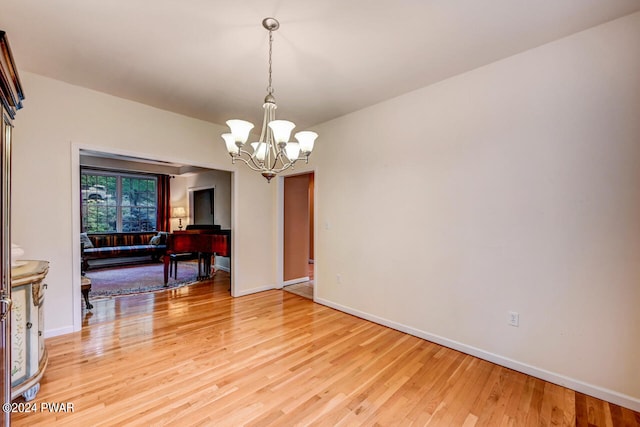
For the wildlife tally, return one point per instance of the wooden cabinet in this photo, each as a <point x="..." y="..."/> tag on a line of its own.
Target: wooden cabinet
<point x="11" y="97"/>
<point x="28" y="352"/>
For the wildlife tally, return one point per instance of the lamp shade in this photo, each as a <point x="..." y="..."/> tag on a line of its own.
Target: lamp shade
<point x="292" y="150"/>
<point x="240" y="129"/>
<point x="232" y="148"/>
<point x="259" y="150"/>
<point x="178" y="212"/>
<point x="281" y="130"/>
<point x="306" y="140"/>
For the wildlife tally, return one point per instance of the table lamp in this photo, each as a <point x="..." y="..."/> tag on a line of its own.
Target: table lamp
<point x="179" y="213"/>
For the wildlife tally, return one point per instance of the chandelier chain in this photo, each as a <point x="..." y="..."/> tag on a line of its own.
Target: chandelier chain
<point x="270" y="87"/>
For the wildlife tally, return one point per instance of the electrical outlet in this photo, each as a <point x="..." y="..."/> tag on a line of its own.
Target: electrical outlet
<point x="513" y="319"/>
<point x="338" y="279"/>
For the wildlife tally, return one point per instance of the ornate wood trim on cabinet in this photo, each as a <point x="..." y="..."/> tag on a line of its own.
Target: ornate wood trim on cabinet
<point x="10" y="88"/>
<point x="28" y="353"/>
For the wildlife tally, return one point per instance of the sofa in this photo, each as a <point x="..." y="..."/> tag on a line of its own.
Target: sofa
<point x="119" y="245"/>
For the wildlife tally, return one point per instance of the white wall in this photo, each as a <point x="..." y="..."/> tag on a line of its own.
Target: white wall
<point x="179" y="197"/>
<point x="57" y="118"/>
<point x="511" y="187"/>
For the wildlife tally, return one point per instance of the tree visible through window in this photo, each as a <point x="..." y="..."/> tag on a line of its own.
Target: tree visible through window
<point x="113" y="202"/>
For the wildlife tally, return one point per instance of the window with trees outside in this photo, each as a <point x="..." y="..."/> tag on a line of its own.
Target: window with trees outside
<point x="118" y="201"/>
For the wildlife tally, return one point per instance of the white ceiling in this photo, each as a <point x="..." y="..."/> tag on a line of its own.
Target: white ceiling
<point x="208" y="58"/>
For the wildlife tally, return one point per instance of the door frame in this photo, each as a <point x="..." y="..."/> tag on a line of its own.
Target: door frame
<point x="76" y="149"/>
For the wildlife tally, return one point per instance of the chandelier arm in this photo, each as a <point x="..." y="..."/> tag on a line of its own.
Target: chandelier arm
<point x="284" y="167"/>
<point x="277" y="155"/>
<point x="250" y="160"/>
<point x="258" y="165"/>
<point x="269" y="136"/>
<point x="250" y="163"/>
<point x="265" y="121"/>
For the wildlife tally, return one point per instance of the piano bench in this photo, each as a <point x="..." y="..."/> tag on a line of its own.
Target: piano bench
<point x="175" y="258"/>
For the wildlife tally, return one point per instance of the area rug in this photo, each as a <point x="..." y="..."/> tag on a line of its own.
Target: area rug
<point x="125" y="280"/>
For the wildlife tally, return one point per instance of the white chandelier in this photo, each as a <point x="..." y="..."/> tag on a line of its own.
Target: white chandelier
<point x="273" y="152"/>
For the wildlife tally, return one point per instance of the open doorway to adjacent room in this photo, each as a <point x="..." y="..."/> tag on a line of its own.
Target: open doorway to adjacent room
<point x="124" y="197"/>
<point x="204" y="206"/>
<point x="298" y="234"/>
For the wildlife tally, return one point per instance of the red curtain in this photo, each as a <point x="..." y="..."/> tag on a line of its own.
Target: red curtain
<point x="164" y="203"/>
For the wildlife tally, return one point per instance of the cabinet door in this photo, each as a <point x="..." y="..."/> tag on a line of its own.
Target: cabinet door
<point x="19" y="335"/>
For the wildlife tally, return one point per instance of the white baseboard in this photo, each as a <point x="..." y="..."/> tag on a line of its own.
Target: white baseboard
<point x="577" y="385"/>
<point x="255" y="290"/>
<point x="223" y="268"/>
<point x="60" y="331"/>
<point x="294" y="281"/>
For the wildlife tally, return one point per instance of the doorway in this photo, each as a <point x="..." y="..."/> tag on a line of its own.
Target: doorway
<point x="203" y="206"/>
<point x="298" y="234"/>
<point x="183" y="179"/>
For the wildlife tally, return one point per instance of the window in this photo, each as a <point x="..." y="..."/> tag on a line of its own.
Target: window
<point x="118" y="201"/>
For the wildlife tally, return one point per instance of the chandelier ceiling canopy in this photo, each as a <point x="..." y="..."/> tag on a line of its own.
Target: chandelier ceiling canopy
<point x="273" y="152"/>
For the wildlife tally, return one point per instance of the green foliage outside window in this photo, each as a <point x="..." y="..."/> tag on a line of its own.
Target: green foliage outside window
<point x="113" y="202"/>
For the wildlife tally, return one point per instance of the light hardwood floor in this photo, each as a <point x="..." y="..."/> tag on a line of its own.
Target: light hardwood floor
<point x="196" y="356"/>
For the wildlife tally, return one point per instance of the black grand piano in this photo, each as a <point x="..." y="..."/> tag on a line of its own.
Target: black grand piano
<point x="203" y="240"/>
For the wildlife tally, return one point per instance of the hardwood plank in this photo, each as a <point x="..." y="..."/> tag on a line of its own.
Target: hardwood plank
<point x="581" y="410"/>
<point x="196" y="356"/>
<point x="510" y="415"/>
<point x="478" y="373"/>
